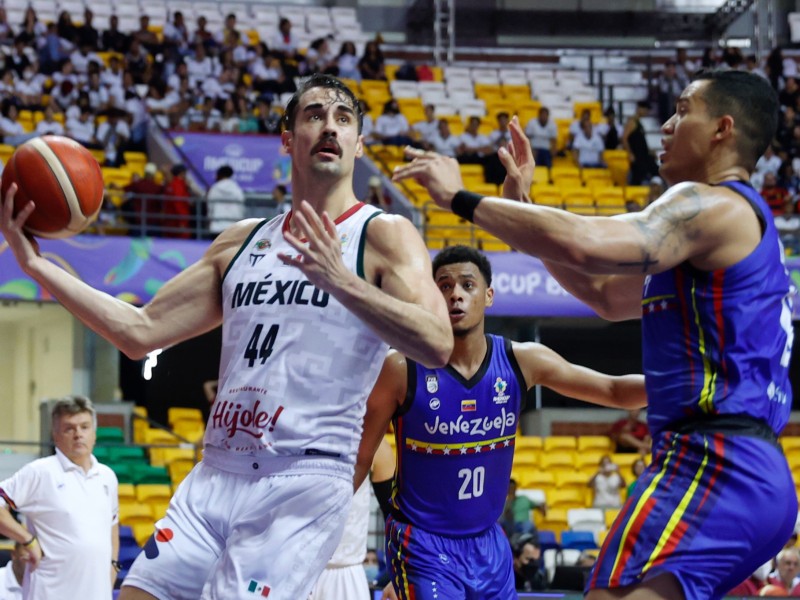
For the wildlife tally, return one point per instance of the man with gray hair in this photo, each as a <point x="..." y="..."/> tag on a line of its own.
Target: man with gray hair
<point x="71" y="538"/>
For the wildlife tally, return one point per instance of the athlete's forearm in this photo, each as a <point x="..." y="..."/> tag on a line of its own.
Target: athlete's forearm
<point x="422" y="334"/>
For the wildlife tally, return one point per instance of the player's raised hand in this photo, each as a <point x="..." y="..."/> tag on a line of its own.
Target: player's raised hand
<point x="441" y="175"/>
<point x="320" y="255"/>
<point x="519" y="164"/>
<point x="22" y="244"/>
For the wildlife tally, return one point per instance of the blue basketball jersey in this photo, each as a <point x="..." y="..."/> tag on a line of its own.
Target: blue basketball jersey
<point x="719" y="342"/>
<point x="455" y="441"/>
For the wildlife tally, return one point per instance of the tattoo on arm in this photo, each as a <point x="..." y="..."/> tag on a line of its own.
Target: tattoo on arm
<point x="667" y="227"/>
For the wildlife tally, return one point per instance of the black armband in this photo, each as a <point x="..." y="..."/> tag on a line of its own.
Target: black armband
<point x="464" y="204"/>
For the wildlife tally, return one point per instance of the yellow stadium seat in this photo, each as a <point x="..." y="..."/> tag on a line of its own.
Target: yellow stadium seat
<point x="191" y="431"/>
<point x="611" y="514"/>
<point x="494" y="245"/>
<point x="789" y="443"/>
<point x="126" y="492"/>
<point x="488" y="90"/>
<point x="178" y="470"/>
<point x="571" y="479"/>
<point x="595" y="442"/>
<point x="159" y="507"/>
<point x="579" y="201"/>
<point x="609" y="201"/>
<point x="625" y="460"/>
<point x="145" y="491"/>
<point x="131" y="513"/>
<point x="595" y="109"/>
<point x="541" y="175"/>
<point x="390" y="70"/>
<point x="143" y="531"/>
<point x="175" y="414"/>
<point x="588" y="460"/>
<point x="538" y="480"/>
<point x="638" y="194"/>
<point x="529" y="441"/>
<point x="526" y="456"/>
<point x="561" y="442"/>
<point x="566" y="498"/>
<point x="557" y="458"/>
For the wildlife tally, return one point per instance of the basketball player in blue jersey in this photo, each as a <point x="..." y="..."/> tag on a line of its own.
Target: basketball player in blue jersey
<point x="455" y="430"/>
<point x="704" y="269"/>
<point x="308" y="303"/>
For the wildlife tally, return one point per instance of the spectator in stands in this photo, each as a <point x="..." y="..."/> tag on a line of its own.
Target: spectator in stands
<point x="147" y="38"/>
<point x="137" y="61"/>
<point x="70" y="503"/>
<point x="501" y="136"/>
<point x="81" y="129"/>
<point x="444" y="142"/>
<point x="176" y="206"/>
<point x="610" y="130"/>
<point x="12" y="130"/>
<point x="684" y="65"/>
<point x="788" y="179"/>
<point x="710" y="59"/>
<point x="11" y="575"/>
<point x="577" y="124"/>
<point x="31" y="29"/>
<point x="229" y="123"/>
<point x="588" y="146"/>
<point x="82" y="56"/>
<point x="142" y="203"/>
<point x="48" y="125"/>
<point x="529" y="575"/>
<point x="226" y="37"/>
<point x="347" y="61"/>
<point x="474" y="145"/>
<point x="543" y="134"/>
<point x="790" y="93"/>
<point x="751" y="65"/>
<point x="629" y="434"/>
<point x="670" y="86"/>
<point x="86" y="34"/>
<point x="320" y="58"/>
<point x="6" y="31"/>
<point x="775" y="195"/>
<point x="788" y="226"/>
<point x="786" y="575"/>
<point x="269" y="120"/>
<point x="657" y="187"/>
<point x="769" y="162"/>
<point x="203" y="36"/>
<point x="53" y="51"/>
<point x="282" y="201"/>
<point x="753" y="584"/>
<point x="637" y="468"/>
<point x="643" y="165"/>
<point x="65" y="27"/>
<point x="368" y="126"/>
<point x="371" y="64"/>
<point x="225" y="202"/>
<point x="29" y="88"/>
<point x="286" y="48"/>
<point x="424" y="131"/>
<point x="517" y="515"/>
<point x="18" y="59"/>
<point x="786" y="125"/>
<point x="175" y="36"/>
<point x="606" y="484"/>
<point x="391" y="128"/>
<point x="376" y="195"/>
<point x="112" y="39"/>
<point x="113" y="134"/>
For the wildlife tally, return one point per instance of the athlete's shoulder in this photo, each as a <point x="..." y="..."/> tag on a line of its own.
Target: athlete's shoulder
<point x="385" y="231"/>
<point x="228" y="243"/>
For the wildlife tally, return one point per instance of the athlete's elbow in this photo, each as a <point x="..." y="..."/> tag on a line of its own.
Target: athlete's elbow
<point x="439" y="353"/>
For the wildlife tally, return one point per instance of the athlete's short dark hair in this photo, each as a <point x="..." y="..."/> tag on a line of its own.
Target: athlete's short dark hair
<point x="463" y="254"/>
<point x="318" y="80"/>
<point x="750" y="100"/>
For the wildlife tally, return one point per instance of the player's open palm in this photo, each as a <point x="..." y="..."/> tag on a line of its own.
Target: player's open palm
<point x="21" y="243"/>
<point x="319" y="250"/>
<point x="441" y="175"/>
<point x="519" y="164"/>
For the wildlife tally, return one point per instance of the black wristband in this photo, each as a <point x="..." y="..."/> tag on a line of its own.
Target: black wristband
<point x="30" y="541"/>
<point x="117" y="565"/>
<point x="464" y="204"/>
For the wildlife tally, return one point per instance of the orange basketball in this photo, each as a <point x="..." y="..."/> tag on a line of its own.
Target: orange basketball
<point x="64" y="181"/>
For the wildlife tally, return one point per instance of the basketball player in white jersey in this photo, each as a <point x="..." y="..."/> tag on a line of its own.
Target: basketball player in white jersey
<point x="344" y="576"/>
<point x="308" y="303"/>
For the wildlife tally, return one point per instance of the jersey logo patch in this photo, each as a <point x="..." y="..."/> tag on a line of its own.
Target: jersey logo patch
<point x="257" y="588"/>
<point x="263" y="244"/>
<point x="469" y="406"/>
<point x="255" y="259"/>
<point x="434" y="404"/>
<point x="500" y="387"/>
<point x="432" y="384"/>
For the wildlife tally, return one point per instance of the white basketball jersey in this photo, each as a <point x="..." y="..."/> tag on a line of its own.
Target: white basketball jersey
<point x="352" y="548"/>
<point x="296" y="366"/>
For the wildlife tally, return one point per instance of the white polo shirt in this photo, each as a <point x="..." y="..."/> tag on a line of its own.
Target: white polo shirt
<point x="71" y="512"/>
<point x="9" y="588"/>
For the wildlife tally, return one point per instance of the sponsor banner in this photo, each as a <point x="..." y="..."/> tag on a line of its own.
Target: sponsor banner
<point x="258" y="161"/>
<point x="133" y="269"/>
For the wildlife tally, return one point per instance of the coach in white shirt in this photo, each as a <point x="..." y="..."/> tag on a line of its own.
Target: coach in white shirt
<point x="70" y="505"/>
